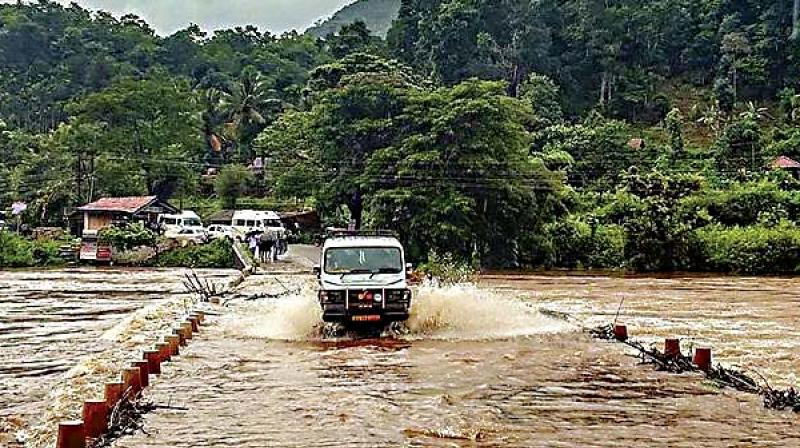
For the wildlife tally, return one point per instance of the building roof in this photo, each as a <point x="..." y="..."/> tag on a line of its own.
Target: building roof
<point x="221" y="216"/>
<point x="132" y="204"/>
<point x="636" y="143"/>
<point x="786" y="163"/>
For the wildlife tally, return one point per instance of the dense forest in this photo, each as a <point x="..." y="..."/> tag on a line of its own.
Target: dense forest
<point x="581" y="133"/>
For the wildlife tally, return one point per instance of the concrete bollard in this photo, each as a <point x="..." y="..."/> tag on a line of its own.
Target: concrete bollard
<point x="702" y="358"/>
<point x="174" y="344"/>
<point x="181" y="336"/>
<point x="672" y="348"/>
<point x="200" y="317"/>
<point x="132" y="379"/>
<point x="187" y="330"/>
<point x="71" y="435"/>
<point x="153" y="361"/>
<point x="113" y="394"/>
<point x="164" y="351"/>
<point x="144" y="372"/>
<point x="621" y="332"/>
<point x="95" y="418"/>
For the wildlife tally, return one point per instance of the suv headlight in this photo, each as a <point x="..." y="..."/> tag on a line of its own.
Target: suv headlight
<point x="331" y="296"/>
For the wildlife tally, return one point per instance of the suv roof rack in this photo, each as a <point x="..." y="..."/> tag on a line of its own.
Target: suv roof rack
<point x="339" y="233"/>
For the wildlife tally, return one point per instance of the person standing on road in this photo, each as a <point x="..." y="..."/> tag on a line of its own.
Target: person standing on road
<point x="252" y="243"/>
<point x="266" y="246"/>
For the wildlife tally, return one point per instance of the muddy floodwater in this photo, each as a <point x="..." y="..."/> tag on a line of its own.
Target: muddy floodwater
<point x="481" y="367"/>
<point x="50" y="319"/>
<point x="752" y="323"/>
<point x="476" y="365"/>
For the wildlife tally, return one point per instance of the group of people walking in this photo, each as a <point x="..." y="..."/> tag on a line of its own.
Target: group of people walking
<point x="265" y="246"/>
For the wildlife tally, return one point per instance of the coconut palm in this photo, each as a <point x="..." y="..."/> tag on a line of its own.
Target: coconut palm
<point x="249" y="103"/>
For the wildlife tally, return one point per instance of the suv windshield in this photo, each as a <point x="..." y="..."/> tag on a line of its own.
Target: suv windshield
<point x="363" y="259"/>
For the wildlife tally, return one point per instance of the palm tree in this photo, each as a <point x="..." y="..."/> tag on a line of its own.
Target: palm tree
<point x="250" y="100"/>
<point x="213" y="116"/>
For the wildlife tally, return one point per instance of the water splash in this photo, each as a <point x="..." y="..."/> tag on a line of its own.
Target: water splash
<point x="468" y="312"/>
<point x="296" y="317"/>
<point x="459" y="312"/>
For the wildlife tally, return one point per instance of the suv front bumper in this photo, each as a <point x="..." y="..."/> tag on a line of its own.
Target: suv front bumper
<point x="346" y="306"/>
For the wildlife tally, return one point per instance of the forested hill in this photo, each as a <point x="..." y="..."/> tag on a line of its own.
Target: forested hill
<point x="650" y="135"/>
<point x="376" y="14"/>
<point x="633" y="57"/>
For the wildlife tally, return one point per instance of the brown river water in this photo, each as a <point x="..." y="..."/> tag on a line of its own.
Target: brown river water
<point x="51" y="319"/>
<point x="478" y="366"/>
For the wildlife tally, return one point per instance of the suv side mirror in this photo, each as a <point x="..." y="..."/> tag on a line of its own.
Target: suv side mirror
<point x="317" y="270"/>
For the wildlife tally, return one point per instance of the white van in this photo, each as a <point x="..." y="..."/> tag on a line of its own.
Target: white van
<point x="175" y="223"/>
<point x="246" y="221"/>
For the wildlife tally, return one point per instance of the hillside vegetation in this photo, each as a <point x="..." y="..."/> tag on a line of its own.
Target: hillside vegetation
<point x="617" y="134"/>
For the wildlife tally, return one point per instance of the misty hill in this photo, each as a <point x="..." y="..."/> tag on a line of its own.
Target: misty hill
<point x="377" y="14"/>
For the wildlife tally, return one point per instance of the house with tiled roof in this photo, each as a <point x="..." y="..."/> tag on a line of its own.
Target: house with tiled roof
<point x="108" y="211"/>
<point x="788" y="164"/>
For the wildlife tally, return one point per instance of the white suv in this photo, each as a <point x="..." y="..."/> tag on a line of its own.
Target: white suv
<point x="363" y="279"/>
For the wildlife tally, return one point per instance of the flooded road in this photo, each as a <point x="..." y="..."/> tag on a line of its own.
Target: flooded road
<point x="750" y="322"/>
<point x="478" y="368"/>
<point x="50" y="319"/>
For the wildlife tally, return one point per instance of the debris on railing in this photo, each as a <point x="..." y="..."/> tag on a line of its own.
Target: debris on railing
<point x="781" y="400"/>
<point x="203" y="288"/>
<point x="673" y="361"/>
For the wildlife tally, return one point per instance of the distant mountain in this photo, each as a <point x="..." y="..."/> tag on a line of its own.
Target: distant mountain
<point x="377" y="14"/>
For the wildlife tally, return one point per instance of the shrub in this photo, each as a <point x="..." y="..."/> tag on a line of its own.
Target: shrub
<point x="746" y="204"/>
<point x="17" y="251"/>
<point x="217" y="254"/>
<point x="576" y="243"/>
<point x="128" y="237"/>
<point x="446" y="268"/>
<point x="752" y="250"/>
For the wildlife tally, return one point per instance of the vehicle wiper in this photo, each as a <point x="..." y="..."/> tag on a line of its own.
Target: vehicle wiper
<point x="382" y="271"/>
<point x="354" y="271"/>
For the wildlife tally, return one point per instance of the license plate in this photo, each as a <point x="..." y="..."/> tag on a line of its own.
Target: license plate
<point x="367" y="318"/>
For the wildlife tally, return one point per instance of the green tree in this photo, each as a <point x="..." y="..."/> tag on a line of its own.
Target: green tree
<point x="658" y="230"/>
<point x="674" y="126"/>
<point x="231" y="183"/>
<point x="543" y="96"/>
<point x="739" y="147"/>
<point x="354" y="105"/>
<point x="454" y="191"/>
<point x="150" y="129"/>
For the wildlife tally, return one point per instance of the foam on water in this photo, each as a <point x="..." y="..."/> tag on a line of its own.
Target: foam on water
<point x="459" y="312"/>
<point x="468" y="312"/>
<point x="295" y="317"/>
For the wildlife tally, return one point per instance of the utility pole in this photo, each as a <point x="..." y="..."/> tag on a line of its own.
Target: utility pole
<point x="795" y="20"/>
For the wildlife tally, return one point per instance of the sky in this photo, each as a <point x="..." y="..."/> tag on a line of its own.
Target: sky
<point x="168" y="16"/>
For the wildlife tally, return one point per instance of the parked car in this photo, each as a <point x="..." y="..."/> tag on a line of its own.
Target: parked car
<point x="175" y="223"/>
<point x="189" y="235"/>
<point x="219" y="231"/>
